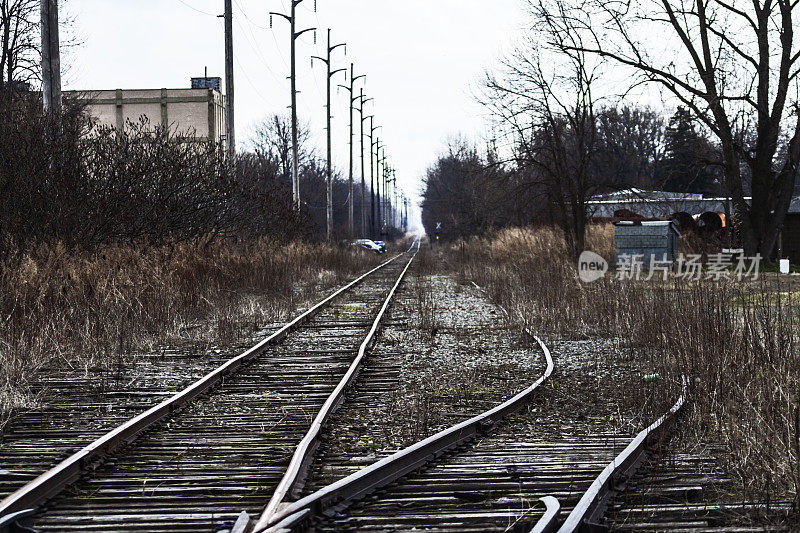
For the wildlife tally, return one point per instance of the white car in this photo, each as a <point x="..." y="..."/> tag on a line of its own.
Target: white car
<point x="367" y="244"/>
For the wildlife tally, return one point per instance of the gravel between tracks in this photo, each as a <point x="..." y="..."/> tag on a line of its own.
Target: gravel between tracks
<point x="447" y="353"/>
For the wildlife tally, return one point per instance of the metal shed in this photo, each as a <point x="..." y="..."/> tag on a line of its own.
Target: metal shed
<point x="655" y="239"/>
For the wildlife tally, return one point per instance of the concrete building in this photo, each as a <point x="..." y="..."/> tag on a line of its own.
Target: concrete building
<point x="198" y="112"/>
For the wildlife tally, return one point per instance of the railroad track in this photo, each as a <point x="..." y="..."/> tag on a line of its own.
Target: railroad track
<point x="215" y="462"/>
<point x="686" y="491"/>
<point x="493" y="472"/>
<point x="76" y="411"/>
<point x="488" y="473"/>
<point x="194" y="461"/>
<point x="485" y="474"/>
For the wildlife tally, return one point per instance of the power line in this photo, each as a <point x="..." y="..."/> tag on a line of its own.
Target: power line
<point x="278" y="48"/>
<point x="198" y="10"/>
<point x="241" y="10"/>
<point x="259" y="55"/>
<point x="253" y="85"/>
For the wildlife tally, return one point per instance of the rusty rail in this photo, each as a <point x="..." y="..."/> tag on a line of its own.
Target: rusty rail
<point x="305" y="450"/>
<point x="53" y="481"/>
<point x="399" y="464"/>
<point x="592" y="505"/>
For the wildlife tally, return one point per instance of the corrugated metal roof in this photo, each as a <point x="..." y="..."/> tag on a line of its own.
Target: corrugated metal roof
<point x="661" y="204"/>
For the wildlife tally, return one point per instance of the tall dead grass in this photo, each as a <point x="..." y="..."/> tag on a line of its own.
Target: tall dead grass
<point x="80" y="308"/>
<point x="737" y="341"/>
<point x="531" y="273"/>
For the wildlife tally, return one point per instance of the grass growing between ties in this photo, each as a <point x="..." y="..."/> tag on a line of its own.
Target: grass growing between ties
<point x="94" y="309"/>
<point x="736" y="341"/>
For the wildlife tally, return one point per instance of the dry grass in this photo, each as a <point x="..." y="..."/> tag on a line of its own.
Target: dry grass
<point x="85" y="309"/>
<point x="531" y="274"/>
<point x="737" y="341"/>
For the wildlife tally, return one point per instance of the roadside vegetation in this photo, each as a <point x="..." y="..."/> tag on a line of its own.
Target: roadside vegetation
<point x="114" y="240"/>
<point x="736" y="342"/>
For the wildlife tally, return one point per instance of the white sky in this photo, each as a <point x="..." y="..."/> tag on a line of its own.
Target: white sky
<point x="424" y="60"/>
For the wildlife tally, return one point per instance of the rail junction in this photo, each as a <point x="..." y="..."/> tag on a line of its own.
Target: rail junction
<point x="240" y="449"/>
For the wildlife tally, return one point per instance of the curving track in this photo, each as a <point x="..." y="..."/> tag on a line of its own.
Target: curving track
<point x="492" y="484"/>
<point x="484" y="474"/>
<point x="226" y="450"/>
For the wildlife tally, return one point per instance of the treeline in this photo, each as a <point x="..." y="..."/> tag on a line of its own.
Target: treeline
<point x="547" y="175"/>
<point x="83" y="185"/>
<point x="559" y="99"/>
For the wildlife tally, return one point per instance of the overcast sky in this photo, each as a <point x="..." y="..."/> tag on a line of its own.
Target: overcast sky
<point x="424" y="60"/>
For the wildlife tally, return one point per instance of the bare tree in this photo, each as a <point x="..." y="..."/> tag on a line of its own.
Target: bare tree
<point x="274" y="139"/>
<point x="19" y="42"/>
<point x="465" y="192"/>
<point x="632" y="145"/>
<point x="545" y="98"/>
<point x="734" y="64"/>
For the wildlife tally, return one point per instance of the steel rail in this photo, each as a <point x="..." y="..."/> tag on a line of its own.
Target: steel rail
<point x="305" y="450"/>
<point x="391" y="468"/>
<point x="549" y="522"/>
<point x="591" y="507"/>
<point x="53" y="481"/>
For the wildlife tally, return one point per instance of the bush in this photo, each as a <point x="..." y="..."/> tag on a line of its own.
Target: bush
<point x="87" y="186"/>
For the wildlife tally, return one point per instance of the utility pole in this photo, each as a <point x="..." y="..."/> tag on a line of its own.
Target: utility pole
<point x="396" y="191"/>
<point x="392" y="207"/>
<point x="384" y="218"/>
<point x="378" y="163"/>
<point x="390" y="212"/>
<point x="293" y="76"/>
<point x="394" y="197"/>
<point x="51" y="59"/>
<point x="230" y="137"/>
<point x="329" y="169"/>
<point x="393" y="201"/>
<point x="373" y="219"/>
<point x="387" y="206"/>
<point x="363" y="101"/>
<point x="405" y="213"/>
<point x="350" y="199"/>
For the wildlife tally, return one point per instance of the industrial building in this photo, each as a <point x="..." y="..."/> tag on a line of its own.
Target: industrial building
<point x="708" y="212"/>
<point x="197" y="112"/>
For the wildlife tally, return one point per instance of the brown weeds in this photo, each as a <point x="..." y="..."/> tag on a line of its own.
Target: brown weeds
<point x="58" y="306"/>
<point x="736" y="341"/>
